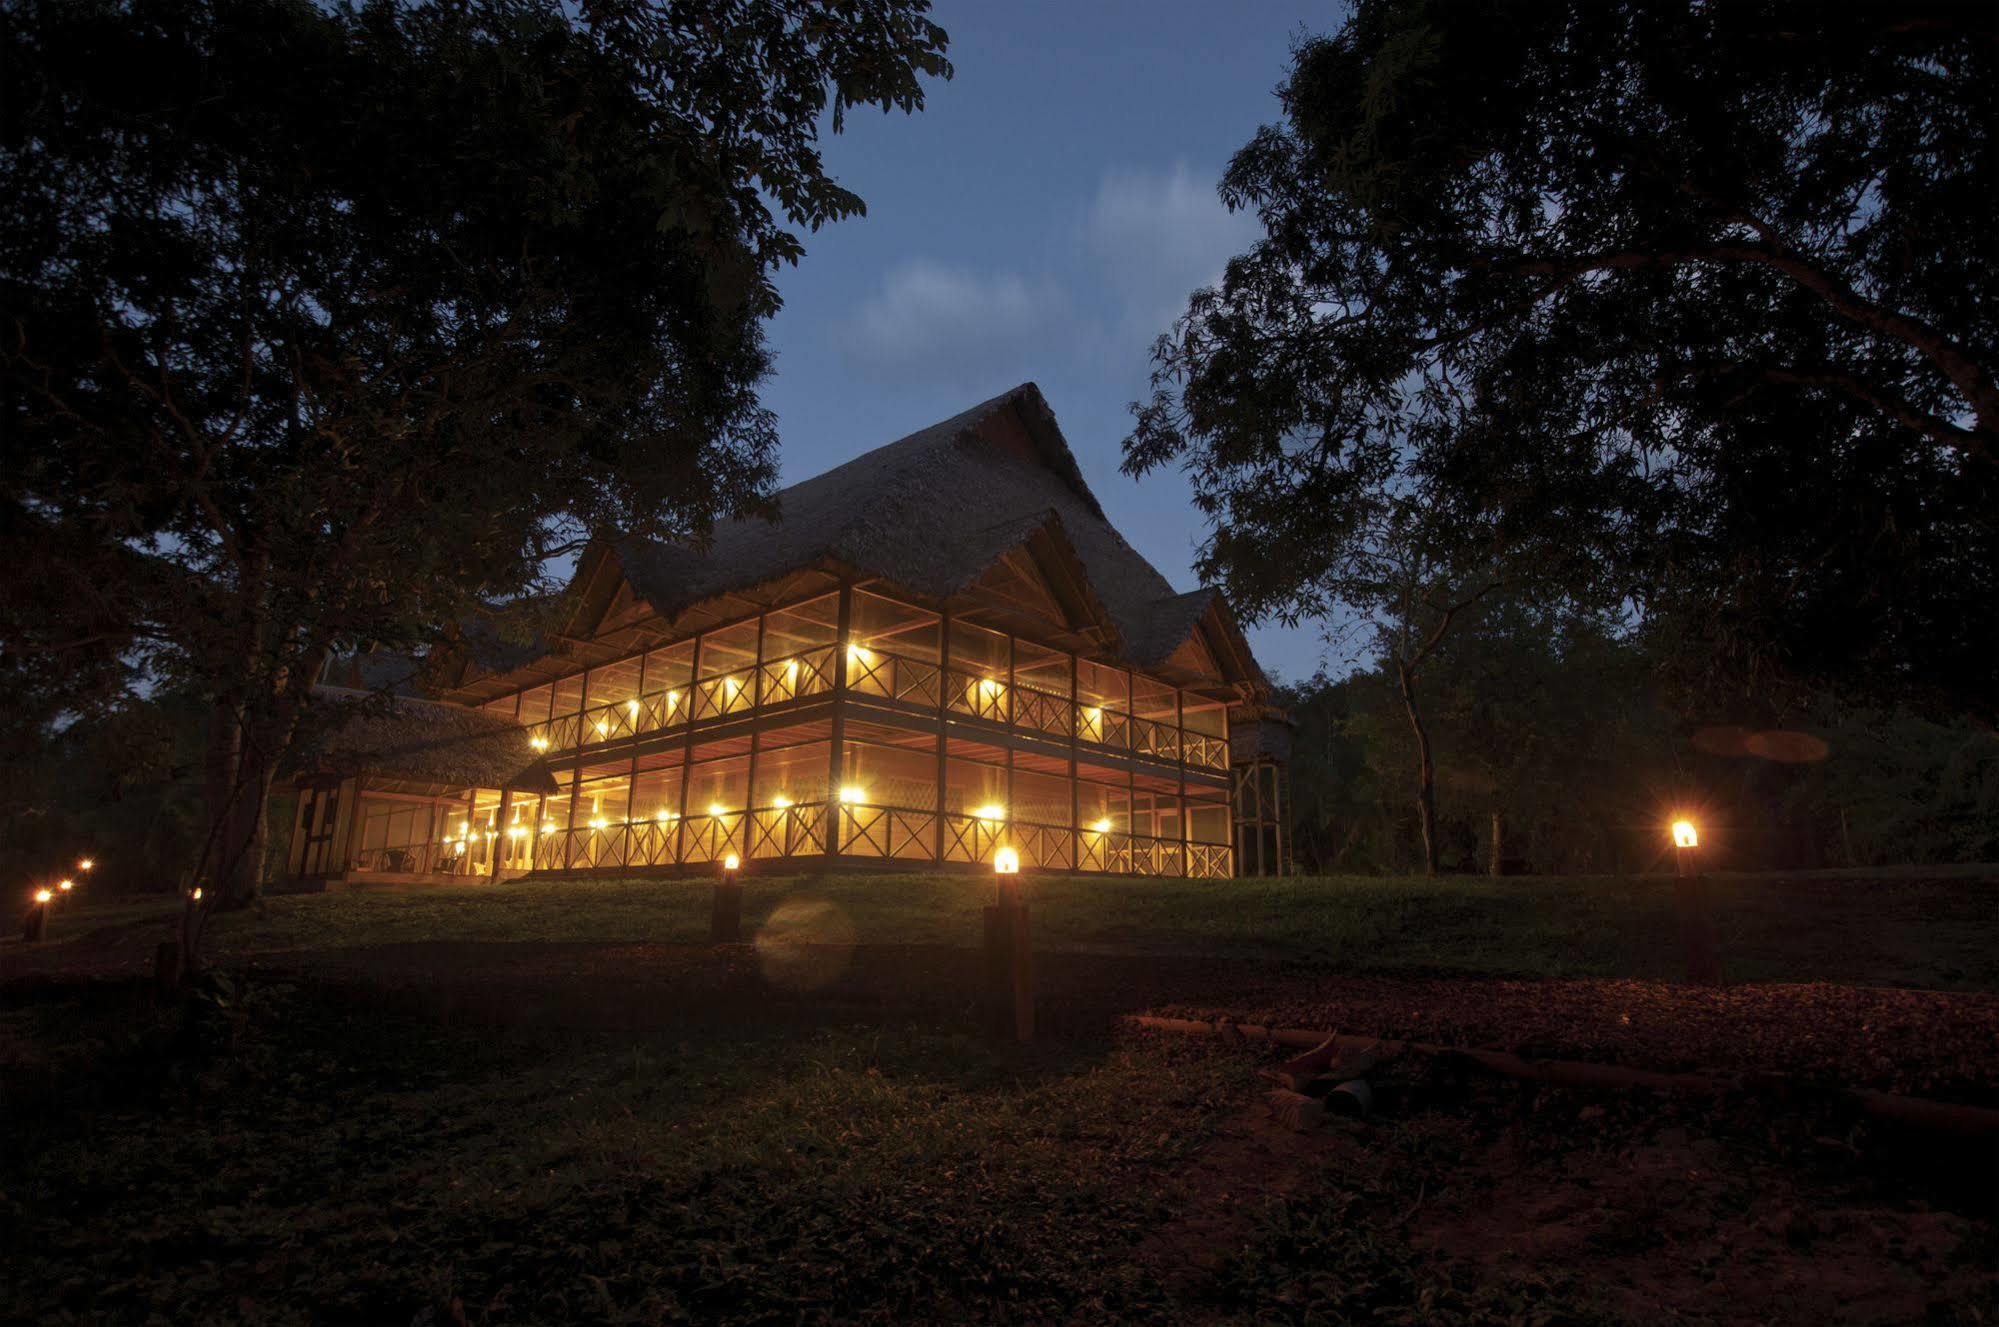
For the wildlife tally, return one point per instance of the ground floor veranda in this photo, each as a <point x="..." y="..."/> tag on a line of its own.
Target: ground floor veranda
<point x="821" y="786"/>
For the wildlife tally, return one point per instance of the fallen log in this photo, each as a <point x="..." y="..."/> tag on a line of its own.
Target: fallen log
<point x="1919" y="1112"/>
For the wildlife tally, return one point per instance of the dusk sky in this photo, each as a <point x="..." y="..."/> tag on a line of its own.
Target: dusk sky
<point x="1043" y="218"/>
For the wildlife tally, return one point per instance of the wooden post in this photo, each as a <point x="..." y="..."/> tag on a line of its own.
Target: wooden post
<point x="687" y="752"/>
<point x="1009" y="967"/>
<point x="943" y="720"/>
<point x="836" y="750"/>
<point x="725" y="917"/>
<point x="1492" y="859"/>
<point x="36" y="927"/>
<point x="1696" y="916"/>
<point x="756" y="743"/>
<point x="500" y="841"/>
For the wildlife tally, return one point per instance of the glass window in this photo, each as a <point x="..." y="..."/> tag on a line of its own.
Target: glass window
<point x="656" y="787"/>
<point x="901" y="777"/>
<point x="792" y="775"/>
<point x="670" y="668"/>
<point x="1103" y="686"/>
<point x="976" y="650"/>
<point x="1154" y="700"/>
<point x="534" y="705"/>
<point x="975" y="788"/>
<point x="1200" y="715"/>
<point x="1041" y="668"/>
<point x="729" y="650"/>
<point x="812" y="625"/>
<point x="613" y="683"/>
<point x="1040" y="799"/>
<point x="717" y="787"/>
<point x="891" y="627"/>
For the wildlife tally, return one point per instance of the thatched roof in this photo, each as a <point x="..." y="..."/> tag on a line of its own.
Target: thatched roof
<point x="425" y="742"/>
<point x="932" y="512"/>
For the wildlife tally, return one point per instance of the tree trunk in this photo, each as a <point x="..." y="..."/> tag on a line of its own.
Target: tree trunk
<point x="1426" y="799"/>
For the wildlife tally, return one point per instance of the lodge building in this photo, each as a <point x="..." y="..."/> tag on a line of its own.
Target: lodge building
<point x="941" y="648"/>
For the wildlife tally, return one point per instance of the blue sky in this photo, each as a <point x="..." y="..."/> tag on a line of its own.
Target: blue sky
<point x="1043" y="219"/>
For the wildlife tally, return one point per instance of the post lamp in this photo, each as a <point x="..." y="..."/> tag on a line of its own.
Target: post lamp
<point x="725" y="917"/>
<point x="65" y="890"/>
<point x="1691" y="902"/>
<point x="86" y="864"/>
<point x="1009" y="954"/>
<point x="37" y="926"/>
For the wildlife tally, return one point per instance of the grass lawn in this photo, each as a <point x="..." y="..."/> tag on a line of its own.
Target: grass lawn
<point x="1920" y="928"/>
<point x="337" y="1164"/>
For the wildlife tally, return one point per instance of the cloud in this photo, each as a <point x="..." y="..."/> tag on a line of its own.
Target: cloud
<point x="1156" y="236"/>
<point x="953" y="324"/>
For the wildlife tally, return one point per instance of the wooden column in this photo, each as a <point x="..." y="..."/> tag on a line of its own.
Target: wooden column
<point x="836" y="745"/>
<point x="500" y="840"/>
<point x="686" y="754"/>
<point x="359" y="781"/>
<point x="756" y="742"/>
<point x="576" y="771"/>
<point x="1075" y="798"/>
<point x="943" y="718"/>
<point x="1180" y="765"/>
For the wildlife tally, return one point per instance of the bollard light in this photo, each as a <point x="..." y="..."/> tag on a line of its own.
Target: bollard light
<point x="65" y="885"/>
<point x="43" y="896"/>
<point x="1686" y="834"/>
<point x="731" y="863"/>
<point x="1006" y="862"/>
<point x="195" y="897"/>
<point x="86" y="864"/>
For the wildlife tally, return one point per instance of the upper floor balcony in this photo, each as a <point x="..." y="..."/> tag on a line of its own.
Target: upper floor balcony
<point x="898" y="659"/>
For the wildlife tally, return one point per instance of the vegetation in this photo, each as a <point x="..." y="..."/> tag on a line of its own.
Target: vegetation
<point x="1679" y="312"/>
<point x="1568" y="731"/>
<point x="325" y="1162"/>
<point x="1912" y="928"/>
<point x="328" y="361"/>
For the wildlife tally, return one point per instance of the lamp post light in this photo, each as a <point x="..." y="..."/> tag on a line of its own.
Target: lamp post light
<point x="1691" y="902"/>
<point x="1009" y="954"/>
<point x="725" y="917"/>
<point x="65" y="888"/>
<point x="37" y="926"/>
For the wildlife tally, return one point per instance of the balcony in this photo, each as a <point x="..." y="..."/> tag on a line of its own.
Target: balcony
<point x="901" y="682"/>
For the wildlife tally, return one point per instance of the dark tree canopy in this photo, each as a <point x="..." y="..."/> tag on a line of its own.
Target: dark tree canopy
<point x="322" y="326"/>
<point x="1696" y="302"/>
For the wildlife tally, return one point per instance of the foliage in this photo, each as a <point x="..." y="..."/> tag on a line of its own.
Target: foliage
<point x="1694" y="300"/>
<point x="327" y="326"/>
<point x="1909" y="927"/>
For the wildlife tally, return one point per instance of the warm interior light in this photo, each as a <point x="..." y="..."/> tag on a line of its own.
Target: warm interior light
<point x="663" y="816"/>
<point x="1102" y="826"/>
<point x="672" y="701"/>
<point x="780" y="801"/>
<point x="860" y="654"/>
<point x="731" y="862"/>
<point x="538" y="743"/>
<point x="43" y="896"/>
<point x="715" y="809"/>
<point x="991" y="811"/>
<point x="632" y="705"/>
<point x="791" y="673"/>
<point x="197" y="894"/>
<point x="1006" y="862"/>
<point x="515" y="831"/>
<point x="991" y="687"/>
<point x="1092" y="716"/>
<point x="853" y="792"/>
<point x="1685" y="835"/>
<point x="603" y="726"/>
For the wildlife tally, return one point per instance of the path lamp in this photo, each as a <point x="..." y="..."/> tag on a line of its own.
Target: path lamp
<point x="1009" y="954"/>
<point x="725" y="917"/>
<point x="65" y="888"/>
<point x="1690" y="900"/>
<point x="37" y="925"/>
<point x="86" y="864"/>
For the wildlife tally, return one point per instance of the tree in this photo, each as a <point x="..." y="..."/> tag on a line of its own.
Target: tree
<point x="1706" y="290"/>
<point x="325" y="326"/>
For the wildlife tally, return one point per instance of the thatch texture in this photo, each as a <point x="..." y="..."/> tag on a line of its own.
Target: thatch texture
<point x="431" y="743"/>
<point x="932" y="512"/>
